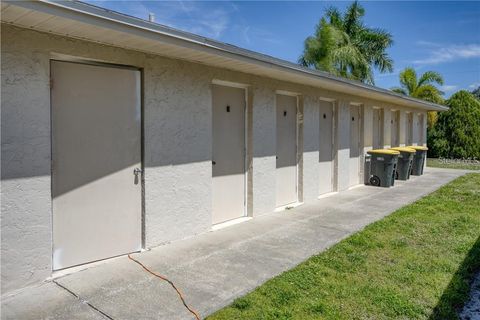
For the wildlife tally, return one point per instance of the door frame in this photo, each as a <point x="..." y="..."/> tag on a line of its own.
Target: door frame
<point x="246" y="146"/>
<point x="297" y="96"/>
<point x="92" y="62"/>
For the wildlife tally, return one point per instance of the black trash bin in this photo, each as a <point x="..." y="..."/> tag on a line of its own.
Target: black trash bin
<point x="381" y="167"/>
<point x="418" y="160"/>
<point x="404" y="163"/>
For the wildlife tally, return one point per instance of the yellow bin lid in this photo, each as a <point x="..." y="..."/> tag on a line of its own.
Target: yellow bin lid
<point x="404" y="149"/>
<point x="418" y="147"/>
<point x="383" y="151"/>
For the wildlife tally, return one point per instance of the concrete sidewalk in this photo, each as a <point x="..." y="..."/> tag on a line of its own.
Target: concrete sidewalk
<point x="213" y="269"/>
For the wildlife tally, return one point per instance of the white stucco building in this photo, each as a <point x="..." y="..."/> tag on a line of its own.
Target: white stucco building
<point x="119" y="134"/>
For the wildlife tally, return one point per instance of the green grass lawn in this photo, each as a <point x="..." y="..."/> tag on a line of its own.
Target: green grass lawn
<point x="450" y="164"/>
<point x="414" y="264"/>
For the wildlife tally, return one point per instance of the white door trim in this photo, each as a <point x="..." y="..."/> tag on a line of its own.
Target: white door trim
<point x="230" y="84"/>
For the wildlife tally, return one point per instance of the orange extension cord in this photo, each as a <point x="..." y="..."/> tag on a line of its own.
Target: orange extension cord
<point x="171" y="283"/>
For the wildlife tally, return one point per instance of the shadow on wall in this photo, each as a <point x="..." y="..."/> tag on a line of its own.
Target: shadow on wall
<point x="191" y="145"/>
<point x="454" y="295"/>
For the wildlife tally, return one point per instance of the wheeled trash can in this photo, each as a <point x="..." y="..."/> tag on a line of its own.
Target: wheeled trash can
<point x="381" y="167"/>
<point x="404" y="163"/>
<point x="418" y="160"/>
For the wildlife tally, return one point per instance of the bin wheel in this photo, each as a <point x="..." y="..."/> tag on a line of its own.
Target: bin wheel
<point x="375" y="181"/>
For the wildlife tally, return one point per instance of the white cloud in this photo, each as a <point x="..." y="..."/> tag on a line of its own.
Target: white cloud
<point x="474" y="85"/>
<point x="195" y="17"/>
<point x="438" y="53"/>
<point x="448" y="88"/>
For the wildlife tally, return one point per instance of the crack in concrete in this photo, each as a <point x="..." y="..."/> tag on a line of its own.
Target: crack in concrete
<point x="83" y="301"/>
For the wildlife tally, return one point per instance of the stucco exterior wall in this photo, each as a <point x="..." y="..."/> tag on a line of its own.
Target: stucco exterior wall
<point x="177" y="145"/>
<point x="311" y="134"/>
<point x="264" y="150"/>
<point x="177" y="120"/>
<point x="25" y="160"/>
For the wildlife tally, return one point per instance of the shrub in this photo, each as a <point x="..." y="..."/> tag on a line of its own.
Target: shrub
<point x="457" y="131"/>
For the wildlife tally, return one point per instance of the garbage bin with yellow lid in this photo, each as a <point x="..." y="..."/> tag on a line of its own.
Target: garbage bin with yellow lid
<point x="380" y="166"/>
<point x="418" y="160"/>
<point x="404" y="163"/>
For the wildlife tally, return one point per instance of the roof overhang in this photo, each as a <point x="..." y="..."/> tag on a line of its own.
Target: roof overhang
<point x="91" y="23"/>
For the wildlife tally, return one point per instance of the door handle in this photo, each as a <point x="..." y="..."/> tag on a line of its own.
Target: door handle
<point x="136" y="172"/>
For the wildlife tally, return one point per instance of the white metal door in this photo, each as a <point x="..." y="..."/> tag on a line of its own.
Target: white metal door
<point x="421" y="129"/>
<point x="286" y="150"/>
<point x="228" y="159"/>
<point x="354" y="168"/>
<point x="409" y="130"/>
<point x="395" y="142"/>
<point x="377" y="129"/>
<point x="326" y="156"/>
<point x="96" y="146"/>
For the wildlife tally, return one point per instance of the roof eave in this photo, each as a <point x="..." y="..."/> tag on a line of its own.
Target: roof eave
<point x="85" y="13"/>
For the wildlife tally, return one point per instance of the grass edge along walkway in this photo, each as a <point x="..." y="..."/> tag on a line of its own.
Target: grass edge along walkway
<point x="414" y="264"/>
<point x="453" y="164"/>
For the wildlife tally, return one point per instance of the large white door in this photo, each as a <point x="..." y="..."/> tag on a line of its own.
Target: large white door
<point x="326" y="147"/>
<point x="377" y="129"/>
<point x="228" y="159"/>
<point x="354" y="167"/>
<point x="286" y="150"/>
<point x="96" y="151"/>
<point x="394" y="129"/>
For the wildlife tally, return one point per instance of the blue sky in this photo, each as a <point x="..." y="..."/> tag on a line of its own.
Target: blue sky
<point x="428" y="35"/>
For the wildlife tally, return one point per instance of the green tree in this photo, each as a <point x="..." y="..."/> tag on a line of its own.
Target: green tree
<point x="343" y="46"/>
<point x="476" y="92"/>
<point x="422" y="88"/>
<point x="457" y="132"/>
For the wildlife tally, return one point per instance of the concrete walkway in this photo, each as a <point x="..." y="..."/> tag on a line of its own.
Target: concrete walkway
<point x="213" y="269"/>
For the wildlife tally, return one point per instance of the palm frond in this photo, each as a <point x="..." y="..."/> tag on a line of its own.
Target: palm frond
<point x="408" y="80"/>
<point x="399" y="90"/>
<point x="344" y="46"/>
<point x="352" y="18"/>
<point x="430" y="77"/>
<point x="334" y="16"/>
<point x="429" y="92"/>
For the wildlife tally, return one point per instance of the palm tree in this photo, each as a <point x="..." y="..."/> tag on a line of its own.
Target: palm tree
<point x="422" y="88"/>
<point x="343" y="46"/>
